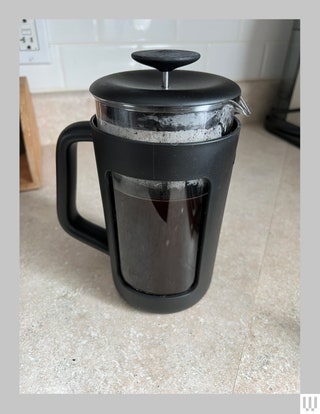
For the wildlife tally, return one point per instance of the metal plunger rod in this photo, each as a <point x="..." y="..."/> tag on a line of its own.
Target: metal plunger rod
<point x="165" y="80"/>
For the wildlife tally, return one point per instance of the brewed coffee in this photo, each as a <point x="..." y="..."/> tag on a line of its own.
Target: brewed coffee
<point x="159" y="230"/>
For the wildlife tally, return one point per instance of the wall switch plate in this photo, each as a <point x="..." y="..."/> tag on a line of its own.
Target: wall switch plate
<point x="33" y="42"/>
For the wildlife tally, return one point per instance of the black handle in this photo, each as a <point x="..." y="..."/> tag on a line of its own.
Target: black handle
<point x="165" y="60"/>
<point x="66" y="169"/>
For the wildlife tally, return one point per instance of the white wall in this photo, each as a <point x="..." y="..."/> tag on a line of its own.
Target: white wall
<point x="84" y="50"/>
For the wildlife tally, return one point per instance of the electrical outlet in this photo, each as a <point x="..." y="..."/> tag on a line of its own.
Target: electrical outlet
<point x="33" y="42"/>
<point x="28" y="35"/>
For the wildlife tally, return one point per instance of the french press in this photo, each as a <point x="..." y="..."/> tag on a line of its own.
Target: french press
<point x="165" y="142"/>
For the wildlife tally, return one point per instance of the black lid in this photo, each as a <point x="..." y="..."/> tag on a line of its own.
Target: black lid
<point x="164" y="87"/>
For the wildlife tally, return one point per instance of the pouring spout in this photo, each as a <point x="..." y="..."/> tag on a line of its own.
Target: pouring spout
<point x="241" y="107"/>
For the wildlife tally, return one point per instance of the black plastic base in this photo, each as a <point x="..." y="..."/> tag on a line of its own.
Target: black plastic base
<point x="158" y="303"/>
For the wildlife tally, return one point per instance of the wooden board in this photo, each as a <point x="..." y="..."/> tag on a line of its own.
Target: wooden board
<point x="30" y="148"/>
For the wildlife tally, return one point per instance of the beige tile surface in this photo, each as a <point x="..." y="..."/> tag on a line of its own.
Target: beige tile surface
<point x="78" y="336"/>
<point x="271" y="352"/>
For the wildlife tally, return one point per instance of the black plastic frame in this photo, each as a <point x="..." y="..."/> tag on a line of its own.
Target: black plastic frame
<point x="212" y="160"/>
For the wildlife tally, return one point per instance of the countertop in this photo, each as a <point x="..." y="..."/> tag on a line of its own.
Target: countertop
<point x="78" y="336"/>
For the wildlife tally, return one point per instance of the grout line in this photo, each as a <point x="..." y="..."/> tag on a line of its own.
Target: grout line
<point x="249" y="330"/>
